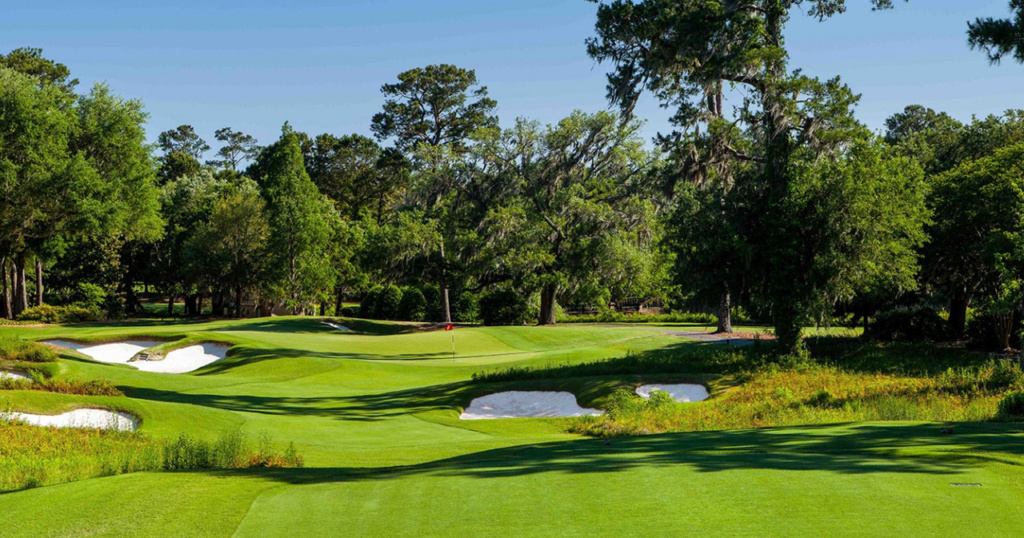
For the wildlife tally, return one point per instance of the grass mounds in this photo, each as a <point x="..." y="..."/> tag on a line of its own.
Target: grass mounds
<point x="31" y="456"/>
<point x="94" y="387"/>
<point x="14" y="349"/>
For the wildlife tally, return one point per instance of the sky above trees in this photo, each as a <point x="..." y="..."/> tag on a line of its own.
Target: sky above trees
<point x="256" y="64"/>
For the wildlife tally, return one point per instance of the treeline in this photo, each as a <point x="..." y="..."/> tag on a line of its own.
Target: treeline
<point x="767" y="195"/>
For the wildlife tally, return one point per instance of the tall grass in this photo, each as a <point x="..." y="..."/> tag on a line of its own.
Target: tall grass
<point x="32" y="456"/>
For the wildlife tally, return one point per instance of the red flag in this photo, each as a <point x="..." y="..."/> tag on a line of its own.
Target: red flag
<point x="450" y="327"/>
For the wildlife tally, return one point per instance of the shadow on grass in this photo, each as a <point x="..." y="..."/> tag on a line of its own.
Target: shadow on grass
<point x="850" y="449"/>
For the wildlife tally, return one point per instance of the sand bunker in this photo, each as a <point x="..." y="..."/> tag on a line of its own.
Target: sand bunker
<point x="10" y="374"/>
<point x="186" y="359"/>
<point x="336" y="326"/>
<point x="525" y="404"/>
<point x="678" y="392"/>
<point x="102" y="419"/>
<point x="113" y="352"/>
<point x="179" y="361"/>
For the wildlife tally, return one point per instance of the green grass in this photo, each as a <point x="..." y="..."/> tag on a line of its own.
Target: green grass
<point x="374" y="413"/>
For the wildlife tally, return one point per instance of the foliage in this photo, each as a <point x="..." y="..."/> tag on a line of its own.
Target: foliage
<point x="59" y="314"/>
<point x="1000" y="37"/>
<point x="413" y="306"/>
<point x="504" y="307"/>
<point x="1011" y="407"/>
<point x="388" y="302"/>
<point x="368" y="306"/>
<point x="18" y="350"/>
<point x="908" y="324"/>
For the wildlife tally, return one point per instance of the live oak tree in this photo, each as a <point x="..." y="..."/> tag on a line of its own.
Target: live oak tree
<point x="1000" y="38"/>
<point x="431" y="112"/>
<point x="572" y="211"/>
<point x="688" y="53"/>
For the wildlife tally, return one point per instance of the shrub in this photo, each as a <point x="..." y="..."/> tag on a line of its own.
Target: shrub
<point x="368" y="305"/>
<point x="466" y="307"/>
<point x="824" y="399"/>
<point x="1011" y="407"/>
<point x="58" y="314"/>
<point x="908" y="324"/>
<point x="17" y="350"/>
<point x="388" y="301"/>
<point x="504" y="307"/>
<point x="432" y="295"/>
<point x="413" y="306"/>
<point x="981" y="333"/>
<point x="350" y="312"/>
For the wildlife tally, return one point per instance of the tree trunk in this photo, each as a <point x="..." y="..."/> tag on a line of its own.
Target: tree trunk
<point x="548" y="297"/>
<point x="39" y="282"/>
<point x="788" y="331"/>
<point x="338" y="300"/>
<point x="446" y="305"/>
<point x="1004" y="328"/>
<point x="20" y="291"/>
<point x="170" y="305"/>
<point x="217" y="303"/>
<point x="725" y="313"/>
<point x="958" y="304"/>
<point x="238" y="301"/>
<point x="6" y="305"/>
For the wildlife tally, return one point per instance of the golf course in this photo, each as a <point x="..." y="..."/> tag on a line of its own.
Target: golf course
<point x="374" y="413"/>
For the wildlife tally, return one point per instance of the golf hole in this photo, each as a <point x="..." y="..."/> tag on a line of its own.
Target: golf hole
<point x="526" y="404"/>
<point x="100" y="419"/>
<point x="681" y="392"/>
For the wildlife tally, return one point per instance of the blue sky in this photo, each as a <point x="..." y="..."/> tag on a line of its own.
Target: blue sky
<point x="253" y="65"/>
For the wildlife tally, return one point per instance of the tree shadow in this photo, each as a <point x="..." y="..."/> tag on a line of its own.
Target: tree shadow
<point x="850" y="449"/>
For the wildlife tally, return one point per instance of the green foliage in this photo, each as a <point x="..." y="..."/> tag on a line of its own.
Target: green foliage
<point x="231" y="450"/>
<point x="1011" y="407"/>
<point x="17" y="350"/>
<point x="504" y="307"/>
<point x="466" y="308"/>
<point x="413" y="306"/>
<point x="1000" y="37"/>
<point x="59" y="314"/>
<point x="388" y="302"/>
<point x="908" y="324"/>
<point x="368" y="306"/>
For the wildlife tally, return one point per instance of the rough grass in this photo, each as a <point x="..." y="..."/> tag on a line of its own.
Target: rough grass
<point x="31" y="456"/>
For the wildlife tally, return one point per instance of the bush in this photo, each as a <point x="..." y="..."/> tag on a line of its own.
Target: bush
<point x="504" y="307"/>
<point x="388" y="301"/>
<point x="466" y="307"/>
<point x="981" y="333"/>
<point x="413" y="306"/>
<point x="1011" y="407"/>
<point x="350" y="312"/>
<point x="367" y="308"/>
<point x="18" y="350"/>
<point x="908" y="324"/>
<point x="58" y="314"/>
<point x="432" y="294"/>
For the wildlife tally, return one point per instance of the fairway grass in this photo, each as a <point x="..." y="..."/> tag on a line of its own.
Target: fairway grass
<point x="374" y="413"/>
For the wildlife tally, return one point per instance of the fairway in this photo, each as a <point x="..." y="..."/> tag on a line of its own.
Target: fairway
<point x="374" y="412"/>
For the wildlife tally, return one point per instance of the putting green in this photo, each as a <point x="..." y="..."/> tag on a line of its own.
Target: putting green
<point x="374" y="413"/>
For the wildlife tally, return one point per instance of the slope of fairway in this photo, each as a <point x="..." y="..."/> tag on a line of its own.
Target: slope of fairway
<point x="374" y="412"/>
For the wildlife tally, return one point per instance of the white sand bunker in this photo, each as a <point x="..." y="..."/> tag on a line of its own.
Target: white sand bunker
<point x="186" y="359"/>
<point x="679" y="392"/>
<point x="336" y="326"/>
<point x="113" y="352"/>
<point x="17" y="376"/>
<point x="525" y="404"/>
<point x="102" y="419"/>
<point x="179" y="361"/>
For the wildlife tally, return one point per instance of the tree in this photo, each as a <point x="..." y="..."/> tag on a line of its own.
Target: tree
<point x="569" y="208"/>
<point x="183" y="139"/>
<point x="431" y="113"/>
<point x="357" y="174"/>
<point x="236" y="148"/>
<point x="301" y="225"/>
<point x="235" y="238"/>
<point x="999" y="37"/>
<point x="687" y="53"/>
<point x="30" y="61"/>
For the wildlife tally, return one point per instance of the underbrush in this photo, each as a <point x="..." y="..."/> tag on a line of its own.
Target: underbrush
<point x="59" y="314"/>
<point x="32" y="456"/>
<point x="18" y="350"/>
<point x="811" y="395"/>
<point x="613" y="316"/>
<point x="96" y="387"/>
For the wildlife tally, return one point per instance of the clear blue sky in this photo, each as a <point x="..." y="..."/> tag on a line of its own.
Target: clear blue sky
<point x="253" y="65"/>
